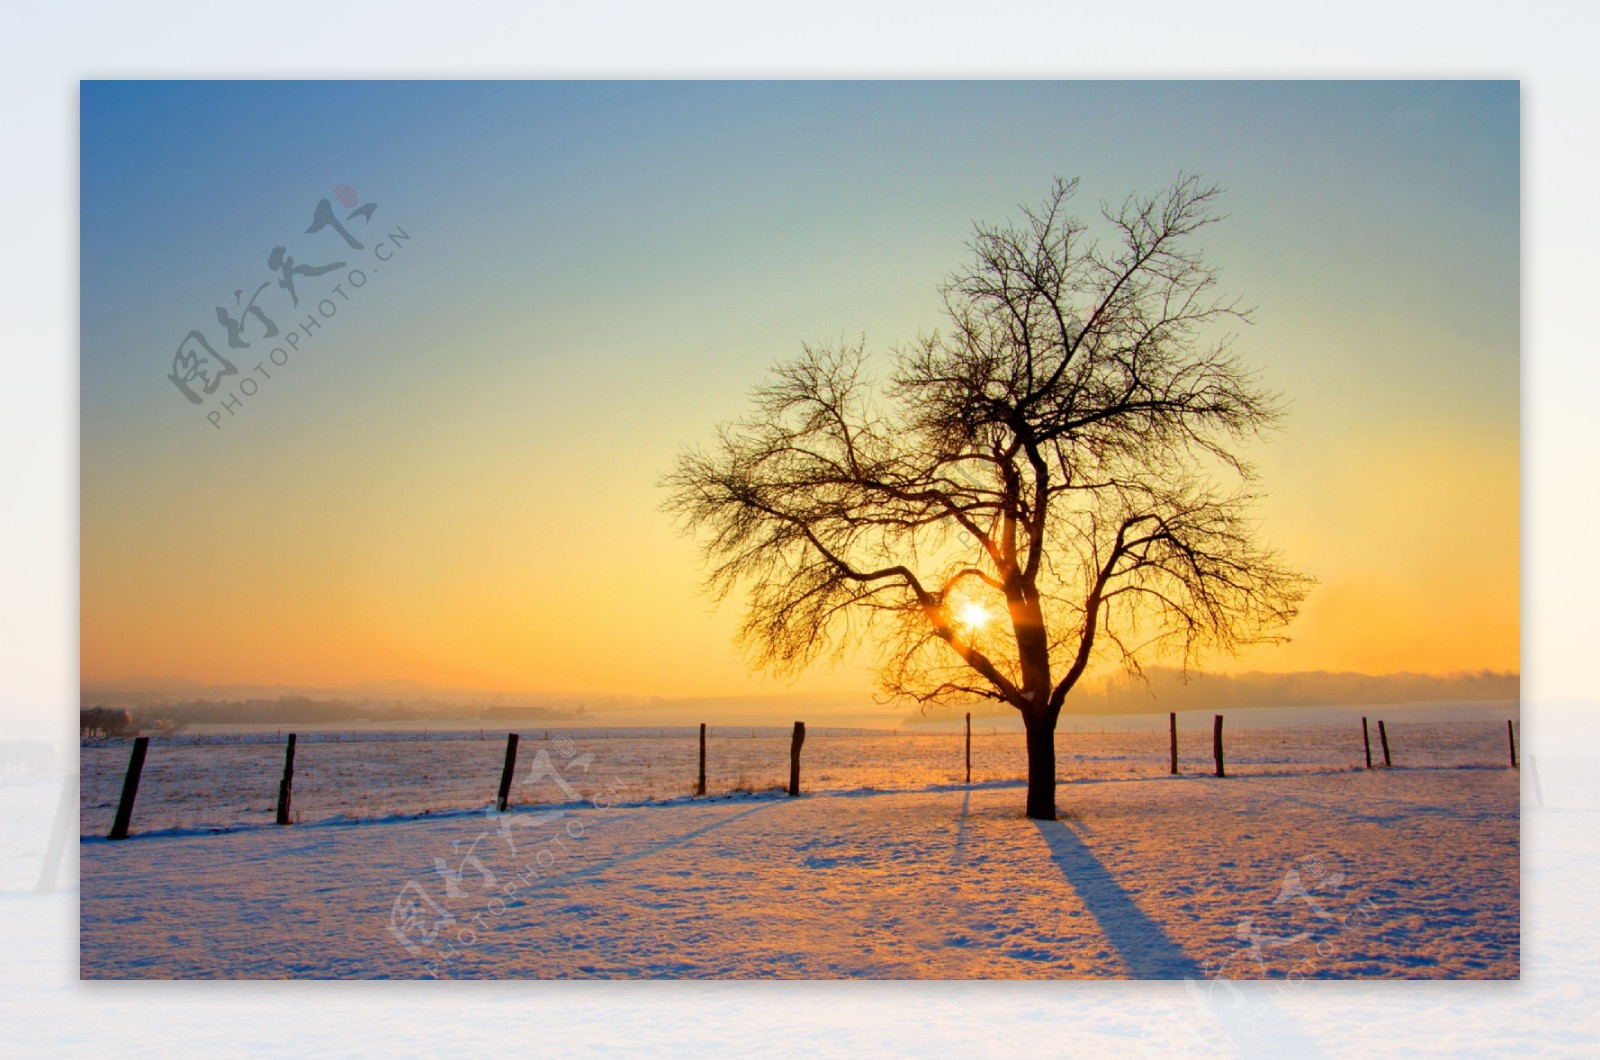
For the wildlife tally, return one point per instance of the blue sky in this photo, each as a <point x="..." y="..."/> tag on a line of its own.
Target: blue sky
<point x="600" y="271"/>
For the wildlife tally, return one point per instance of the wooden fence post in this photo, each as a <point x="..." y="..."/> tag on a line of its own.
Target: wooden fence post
<point x="700" y="787"/>
<point x="503" y="799"/>
<point x="1172" y="726"/>
<point x="795" y="741"/>
<point x="969" y="747"/>
<point x="1216" y="744"/>
<point x="1366" y="741"/>
<point x="130" y="789"/>
<point x="1511" y="738"/>
<point x="1383" y="737"/>
<point x="287" y="783"/>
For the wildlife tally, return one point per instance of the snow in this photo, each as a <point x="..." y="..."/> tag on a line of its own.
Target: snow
<point x="225" y="781"/>
<point x="1274" y="874"/>
<point x="49" y="1012"/>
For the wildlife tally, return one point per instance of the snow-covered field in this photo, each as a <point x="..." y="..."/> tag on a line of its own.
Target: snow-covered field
<point x="229" y="780"/>
<point x="1300" y="864"/>
<point x="1411" y="872"/>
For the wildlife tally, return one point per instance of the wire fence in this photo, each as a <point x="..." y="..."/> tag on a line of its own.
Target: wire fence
<point x="204" y="781"/>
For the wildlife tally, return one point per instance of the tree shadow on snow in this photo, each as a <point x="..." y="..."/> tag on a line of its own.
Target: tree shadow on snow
<point x="1246" y="1012"/>
<point x="1144" y="947"/>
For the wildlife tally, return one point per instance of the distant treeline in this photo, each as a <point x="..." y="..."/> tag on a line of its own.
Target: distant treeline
<point x="1167" y="689"/>
<point x="287" y="710"/>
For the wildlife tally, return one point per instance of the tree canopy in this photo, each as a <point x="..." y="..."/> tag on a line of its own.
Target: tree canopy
<point x="1054" y="476"/>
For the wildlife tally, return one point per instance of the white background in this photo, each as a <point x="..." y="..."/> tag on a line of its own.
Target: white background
<point x="43" y="52"/>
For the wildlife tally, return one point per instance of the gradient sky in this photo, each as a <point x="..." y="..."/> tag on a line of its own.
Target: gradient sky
<point x="454" y="481"/>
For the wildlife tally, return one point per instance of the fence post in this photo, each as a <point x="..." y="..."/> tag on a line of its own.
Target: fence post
<point x="795" y="741"/>
<point x="287" y="783"/>
<point x="700" y="787"/>
<point x="1216" y="744"/>
<point x="1172" y="725"/>
<point x="969" y="747"/>
<point x="1366" y="741"/>
<point x="1511" y="738"/>
<point x="1383" y="736"/>
<point x="130" y="789"/>
<point x="503" y="799"/>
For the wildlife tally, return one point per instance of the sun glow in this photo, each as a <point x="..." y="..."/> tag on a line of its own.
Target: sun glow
<point x="973" y="615"/>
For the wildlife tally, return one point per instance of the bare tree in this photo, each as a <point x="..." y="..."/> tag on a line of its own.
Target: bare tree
<point x="1054" y="479"/>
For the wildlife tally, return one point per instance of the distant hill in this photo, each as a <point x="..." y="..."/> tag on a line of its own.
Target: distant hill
<point x="1165" y="690"/>
<point x="185" y="702"/>
<point x="1170" y="689"/>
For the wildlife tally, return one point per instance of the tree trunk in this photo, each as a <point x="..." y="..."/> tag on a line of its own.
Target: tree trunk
<point x="1041" y="768"/>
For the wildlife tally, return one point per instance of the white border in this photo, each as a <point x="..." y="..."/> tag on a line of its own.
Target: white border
<point x="45" y="52"/>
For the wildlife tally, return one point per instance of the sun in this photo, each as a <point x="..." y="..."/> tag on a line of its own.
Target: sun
<point x="973" y="615"/>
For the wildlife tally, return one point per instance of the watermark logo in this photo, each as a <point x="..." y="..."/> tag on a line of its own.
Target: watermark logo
<point x="1314" y="891"/>
<point x="438" y="927"/>
<point x="1316" y="917"/>
<point x="212" y="370"/>
<point x="1312" y="920"/>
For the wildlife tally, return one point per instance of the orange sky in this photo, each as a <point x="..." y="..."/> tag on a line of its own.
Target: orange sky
<point x="456" y="482"/>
